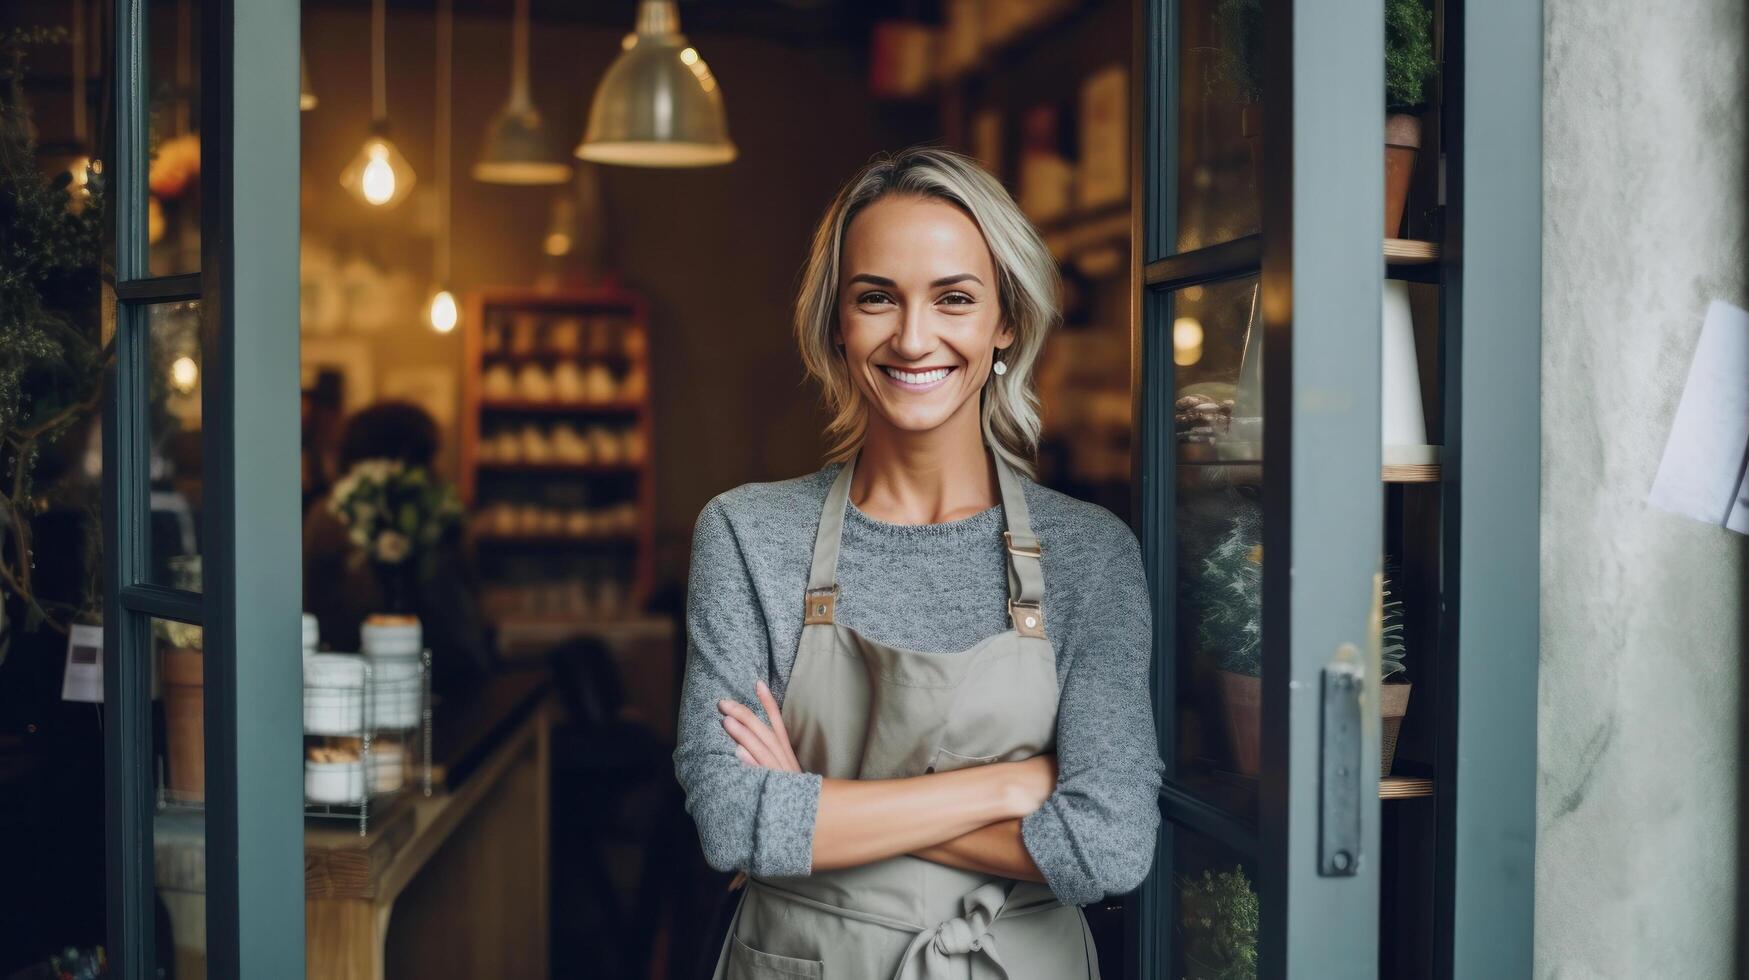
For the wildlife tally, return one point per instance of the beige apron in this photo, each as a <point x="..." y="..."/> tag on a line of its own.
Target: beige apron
<point x="857" y="709"/>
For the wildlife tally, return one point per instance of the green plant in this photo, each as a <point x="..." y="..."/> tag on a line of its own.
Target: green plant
<point x="1408" y="50"/>
<point x="1408" y="53"/>
<point x="1217" y="920"/>
<point x="1391" y="649"/>
<point x="52" y="352"/>
<point x="1227" y="594"/>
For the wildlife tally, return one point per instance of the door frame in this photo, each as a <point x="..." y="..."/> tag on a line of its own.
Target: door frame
<point x="1491" y="274"/>
<point x="250" y="604"/>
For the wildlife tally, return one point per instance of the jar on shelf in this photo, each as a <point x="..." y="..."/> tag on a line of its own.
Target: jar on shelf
<point x="333" y="694"/>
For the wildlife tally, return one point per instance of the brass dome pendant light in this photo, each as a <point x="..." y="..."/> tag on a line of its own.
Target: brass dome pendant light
<point x="517" y="150"/>
<point x="659" y="104"/>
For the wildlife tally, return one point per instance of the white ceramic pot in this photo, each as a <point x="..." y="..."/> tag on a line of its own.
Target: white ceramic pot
<point x="333" y="782"/>
<point x="333" y="694"/>
<point x="394" y="691"/>
<point x="391" y="639"/>
<point x="1404" y="424"/>
<point x="312" y="634"/>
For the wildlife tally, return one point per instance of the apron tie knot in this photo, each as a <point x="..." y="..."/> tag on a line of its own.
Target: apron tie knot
<point x="932" y="953"/>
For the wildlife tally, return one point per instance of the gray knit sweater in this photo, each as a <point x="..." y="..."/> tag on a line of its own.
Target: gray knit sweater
<point x="935" y="588"/>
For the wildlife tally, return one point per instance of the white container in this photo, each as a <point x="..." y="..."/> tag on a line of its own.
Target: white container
<point x="394" y="691"/>
<point x="388" y="767"/>
<point x="392" y="639"/>
<point x="333" y="782"/>
<point x="333" y="694"/>
<point x="312" y="634"/>
<point x="1400" y="404"/>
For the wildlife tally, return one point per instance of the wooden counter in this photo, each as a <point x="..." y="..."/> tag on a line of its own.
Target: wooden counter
<point x="451" y="885"/>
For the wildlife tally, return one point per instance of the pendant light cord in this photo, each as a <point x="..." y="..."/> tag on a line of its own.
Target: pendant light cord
<point x="379" y="84"/>
<point x="445" y="54"/>
<point x="519" y="62"/>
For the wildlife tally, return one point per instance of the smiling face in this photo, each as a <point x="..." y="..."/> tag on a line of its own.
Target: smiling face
<point x="918" y="312"/>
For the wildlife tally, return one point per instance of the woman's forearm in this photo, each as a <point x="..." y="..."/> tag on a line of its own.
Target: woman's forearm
<point x="860" y="821"/>
<point x="995" y="849"/>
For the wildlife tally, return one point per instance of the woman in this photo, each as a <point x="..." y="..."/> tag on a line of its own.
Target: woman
<point x="965" y="749"/>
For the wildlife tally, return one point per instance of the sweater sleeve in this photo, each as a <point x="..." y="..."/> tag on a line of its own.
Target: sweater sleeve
<point x="1095" y="834"/>
<point x="749" y="818"/>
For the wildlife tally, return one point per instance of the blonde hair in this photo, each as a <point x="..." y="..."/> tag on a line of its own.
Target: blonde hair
<point x="1028" y="288"/>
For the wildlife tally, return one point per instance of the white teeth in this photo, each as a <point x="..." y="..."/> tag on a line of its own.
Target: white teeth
<point x="917" y="377"/>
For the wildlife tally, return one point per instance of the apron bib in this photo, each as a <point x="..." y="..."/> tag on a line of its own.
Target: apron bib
<point x="857" y="709"/>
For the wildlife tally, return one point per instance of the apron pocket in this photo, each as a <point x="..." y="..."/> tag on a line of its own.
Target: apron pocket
<point x="747" y="963"/>
<point x="947" y="760"/>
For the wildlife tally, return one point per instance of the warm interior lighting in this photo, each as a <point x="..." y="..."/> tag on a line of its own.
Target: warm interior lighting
<point x="1186" y="341"/>
<point x="443" y="313"/>
<point x="379" y="176"/>
<point x="184" y="374"/>
<point x="516" y="149"/>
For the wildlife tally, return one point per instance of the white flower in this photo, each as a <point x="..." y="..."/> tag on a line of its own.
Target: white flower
<point x="393" y="547"/>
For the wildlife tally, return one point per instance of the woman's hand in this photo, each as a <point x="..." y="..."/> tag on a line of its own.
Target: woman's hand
<point x="756" y="743"/>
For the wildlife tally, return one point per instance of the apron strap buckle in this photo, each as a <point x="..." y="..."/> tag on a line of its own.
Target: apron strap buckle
<point x="821" y="606"/>
<point x="1028" y="617"/>
<point x="1024" y="545"/>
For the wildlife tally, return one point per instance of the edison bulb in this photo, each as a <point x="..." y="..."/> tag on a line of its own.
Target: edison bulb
<point x="1186" y="341"/>
<point x="378" y="179"/>
<point x="183" y="374"/>
<point x="443" y="313"/>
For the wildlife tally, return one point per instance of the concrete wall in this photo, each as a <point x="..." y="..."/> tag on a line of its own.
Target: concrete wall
<point x="1643" y="613"/>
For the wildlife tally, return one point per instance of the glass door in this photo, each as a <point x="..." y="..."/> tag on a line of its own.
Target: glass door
<point x="1260" y="270"/>
<point x="201" y="683"/>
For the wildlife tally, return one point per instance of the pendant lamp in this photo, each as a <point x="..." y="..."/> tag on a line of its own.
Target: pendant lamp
<point x="378" y="175"/>
<point x="517" y="150"/>
<point x="658" y="105"/>
<point x="441" y="312"/>
<point x="306" y="94"/>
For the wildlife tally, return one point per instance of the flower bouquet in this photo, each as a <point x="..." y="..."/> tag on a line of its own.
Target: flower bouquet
<point x="395" y="514"/>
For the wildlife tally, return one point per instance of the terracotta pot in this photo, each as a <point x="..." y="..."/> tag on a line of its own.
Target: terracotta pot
<point x="1393" y="705"/>
<point x="1242" y="701"/>
<point x="1402" y="140"/>
<point x="184" y="677"/>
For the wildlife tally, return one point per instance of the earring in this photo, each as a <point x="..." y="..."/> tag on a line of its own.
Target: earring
<point x="999" y="367"/>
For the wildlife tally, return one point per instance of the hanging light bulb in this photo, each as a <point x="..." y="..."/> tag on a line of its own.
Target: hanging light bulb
<point x="306" y="94"/>
<point x="378" y="174"/>
<point x="443" y="313"/>
<point x="184" y="373"/>
<point x="658" y="105"/>
<point x="517" y="150"/>
<point x="561" y="227"/>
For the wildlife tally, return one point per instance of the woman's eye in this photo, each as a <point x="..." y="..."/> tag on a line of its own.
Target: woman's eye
<point x="957" y="298"/>
<point x="872" y="297"/>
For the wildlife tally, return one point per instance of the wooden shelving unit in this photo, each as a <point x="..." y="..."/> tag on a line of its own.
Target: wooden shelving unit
<point x="566" y="530"/>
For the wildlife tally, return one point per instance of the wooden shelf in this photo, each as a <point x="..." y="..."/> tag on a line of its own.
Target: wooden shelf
<point x="524" y="405"/>
<point x="1404" y="787"/>
<point x="560" y="467"/>
<point x="1409" y="251"/>
<point x="1411" y="472"/>
<point x="555" y="540"/>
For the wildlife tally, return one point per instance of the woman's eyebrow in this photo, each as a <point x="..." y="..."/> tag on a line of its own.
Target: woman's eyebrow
<point x="937" y="284"/>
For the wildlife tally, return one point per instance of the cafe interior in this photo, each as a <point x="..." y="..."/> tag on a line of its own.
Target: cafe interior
<point x="536" y="340"/>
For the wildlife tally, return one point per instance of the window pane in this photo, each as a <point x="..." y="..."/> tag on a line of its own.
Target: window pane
<point x="52" y="331"/>
<point x="173" y="141"/>
<point x="1215" y="894"/>
<point x="175" y="365"/>
<point x="1219" y="523"/>
<point x="1220" y="112"/>
<point x="179" y="826"/>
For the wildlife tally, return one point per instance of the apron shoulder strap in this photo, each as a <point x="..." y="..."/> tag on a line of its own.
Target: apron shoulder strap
<point x="1026" y="576"/>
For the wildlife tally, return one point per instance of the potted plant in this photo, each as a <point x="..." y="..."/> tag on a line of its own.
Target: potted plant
<point x="1393" y="676"/>
<point x="1227" y="598"/>
<point x="1408" y="66"/>
<point x="1217" y="925"/>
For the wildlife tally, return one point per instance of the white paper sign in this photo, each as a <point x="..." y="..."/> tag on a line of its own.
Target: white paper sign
<point x="1703" y="474"/>
<point x="83" y="680"/>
